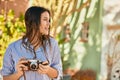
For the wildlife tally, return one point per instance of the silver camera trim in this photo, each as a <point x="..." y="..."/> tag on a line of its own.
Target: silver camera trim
<point x="35" y="62"/>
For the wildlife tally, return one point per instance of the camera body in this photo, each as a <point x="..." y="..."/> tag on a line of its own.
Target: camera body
<point x="33" y="64"/>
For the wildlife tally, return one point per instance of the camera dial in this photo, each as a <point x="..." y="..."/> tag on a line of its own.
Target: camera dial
<point x="33" y="64"/>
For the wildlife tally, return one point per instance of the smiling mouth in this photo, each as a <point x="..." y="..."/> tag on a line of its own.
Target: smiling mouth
<point x="47" y="29"/>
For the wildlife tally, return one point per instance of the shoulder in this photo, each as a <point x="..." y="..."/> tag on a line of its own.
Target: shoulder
<point x="53" y="40"/>
<point x="17" y="42"/>
<point x="11" y="47"/>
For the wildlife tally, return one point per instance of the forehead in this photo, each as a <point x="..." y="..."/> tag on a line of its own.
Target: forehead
<point x="45" y="15"/>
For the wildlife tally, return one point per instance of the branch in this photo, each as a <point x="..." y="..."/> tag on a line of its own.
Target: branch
<point x="84" y="5"/>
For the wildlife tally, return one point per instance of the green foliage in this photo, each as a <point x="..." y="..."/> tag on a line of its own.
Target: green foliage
<point x="11" y="29"/>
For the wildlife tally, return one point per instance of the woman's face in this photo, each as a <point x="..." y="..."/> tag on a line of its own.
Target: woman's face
<point x="44" y="26"/>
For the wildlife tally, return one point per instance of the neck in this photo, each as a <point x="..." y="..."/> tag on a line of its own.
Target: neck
<point x="35" y="43"/>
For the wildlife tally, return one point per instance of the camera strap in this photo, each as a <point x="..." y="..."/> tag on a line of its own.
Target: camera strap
<point x="46" y="55"/>
<point x="24" y="74"/>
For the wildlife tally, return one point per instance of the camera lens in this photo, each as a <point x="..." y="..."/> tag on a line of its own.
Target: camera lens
<point x="33" y="66"/>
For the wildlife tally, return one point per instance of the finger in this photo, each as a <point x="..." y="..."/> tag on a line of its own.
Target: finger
<point x="44" y="66"/>
<point x="45" y="63"/>
<point x="41" y="71"/>
<point x="23" y="69"/>
<point x="22" y="61"/>
<point x="41" y="66"/>
<point x="23" y="66"/>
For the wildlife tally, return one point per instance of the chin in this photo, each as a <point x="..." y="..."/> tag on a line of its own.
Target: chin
<point x="45" y="33"/>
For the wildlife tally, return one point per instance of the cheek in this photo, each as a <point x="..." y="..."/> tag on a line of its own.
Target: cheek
<point x="42" y="26"/>
<point x="41" y="29"/>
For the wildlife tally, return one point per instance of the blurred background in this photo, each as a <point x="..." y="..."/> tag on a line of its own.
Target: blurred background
<point x="88" y="33"/>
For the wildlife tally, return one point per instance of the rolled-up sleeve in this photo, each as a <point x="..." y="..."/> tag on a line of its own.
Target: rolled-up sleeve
<point x="7" y="67"/>
<point x="56" y="61"/>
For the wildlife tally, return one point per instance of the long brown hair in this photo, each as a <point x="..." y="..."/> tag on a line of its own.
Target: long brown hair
<point x="32" y="23"/>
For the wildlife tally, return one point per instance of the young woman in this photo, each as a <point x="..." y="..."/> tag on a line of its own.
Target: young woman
<point x="36" y="45"/>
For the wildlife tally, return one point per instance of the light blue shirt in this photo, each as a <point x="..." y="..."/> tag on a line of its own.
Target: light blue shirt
<point x="15" y="51"/>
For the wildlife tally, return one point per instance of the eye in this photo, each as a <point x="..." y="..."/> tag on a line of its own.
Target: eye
<point x="48" y="20"/>
<point x="45" y="19"/>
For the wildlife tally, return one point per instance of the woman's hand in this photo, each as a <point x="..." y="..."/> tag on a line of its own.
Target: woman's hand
<point x="43" y="68"/>
<point x="21" y="66"/>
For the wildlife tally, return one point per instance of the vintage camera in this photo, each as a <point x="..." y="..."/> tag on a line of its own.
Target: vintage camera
<point x="33" y="64"/>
